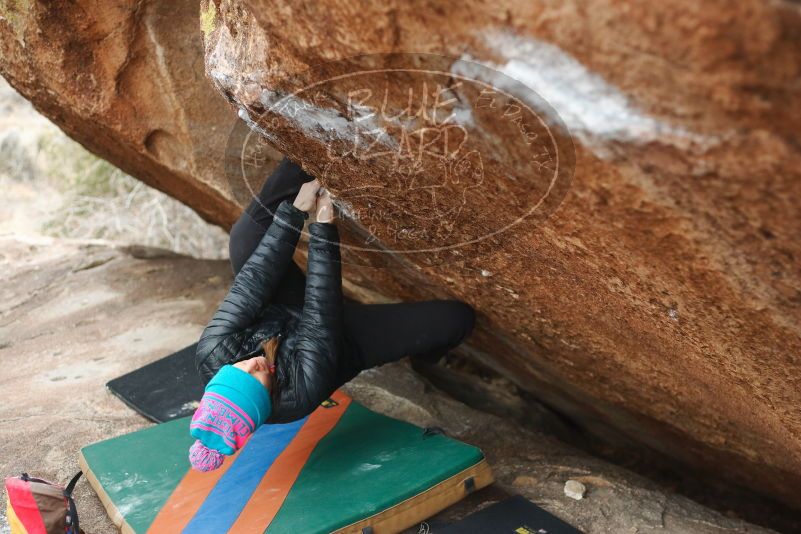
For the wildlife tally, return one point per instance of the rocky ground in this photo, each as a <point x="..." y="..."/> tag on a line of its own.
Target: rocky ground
<point x="74" y="314"/>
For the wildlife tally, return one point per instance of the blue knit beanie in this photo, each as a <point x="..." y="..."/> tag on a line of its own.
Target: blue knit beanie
<point x="233" y="406"/>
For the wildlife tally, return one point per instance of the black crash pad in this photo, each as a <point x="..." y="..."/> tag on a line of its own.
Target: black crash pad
<point x="164" y="390"/>
<point x="514" y="515"/>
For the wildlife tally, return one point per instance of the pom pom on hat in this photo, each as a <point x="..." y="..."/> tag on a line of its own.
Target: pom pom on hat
<point x="204" y="459"/>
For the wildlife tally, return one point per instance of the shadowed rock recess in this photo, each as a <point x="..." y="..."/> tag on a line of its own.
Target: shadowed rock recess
<point x="612" y="185"/>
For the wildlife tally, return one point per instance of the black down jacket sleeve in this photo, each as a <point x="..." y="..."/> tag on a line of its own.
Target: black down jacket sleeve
<point x="254" y="284"/>
<point x="319" y="334"/>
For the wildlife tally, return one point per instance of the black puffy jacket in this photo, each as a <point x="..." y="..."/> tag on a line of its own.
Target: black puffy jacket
<point x="309" y="363"/>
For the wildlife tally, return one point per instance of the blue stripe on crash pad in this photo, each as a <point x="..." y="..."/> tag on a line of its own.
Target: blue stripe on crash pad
<point x="229" y="497"/>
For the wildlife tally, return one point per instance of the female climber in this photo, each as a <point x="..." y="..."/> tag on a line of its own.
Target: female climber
<point x="281" y="343"/>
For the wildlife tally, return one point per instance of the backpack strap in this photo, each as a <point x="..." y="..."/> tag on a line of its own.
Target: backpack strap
<point x="72" y="519"/>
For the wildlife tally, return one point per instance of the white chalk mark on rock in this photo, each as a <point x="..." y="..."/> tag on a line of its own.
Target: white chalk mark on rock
<point x="593" y="109"/>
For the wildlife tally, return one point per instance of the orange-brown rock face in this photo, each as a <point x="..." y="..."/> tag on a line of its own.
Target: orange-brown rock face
<point x="657" y="288"/>
<point x="644" y="277"/>
<point x="126" y="80"/>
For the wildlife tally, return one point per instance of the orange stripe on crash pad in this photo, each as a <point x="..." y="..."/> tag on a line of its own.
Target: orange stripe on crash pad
<point x="279" y="478"/>
<point x="187" y="498"/>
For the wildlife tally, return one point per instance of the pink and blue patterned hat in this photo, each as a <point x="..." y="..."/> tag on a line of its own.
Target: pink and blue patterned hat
<point x="233" y="406"/>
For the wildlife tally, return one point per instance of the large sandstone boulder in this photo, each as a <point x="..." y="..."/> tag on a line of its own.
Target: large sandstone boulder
<point x="662" y="298"/>
<point x="652" y="291"/>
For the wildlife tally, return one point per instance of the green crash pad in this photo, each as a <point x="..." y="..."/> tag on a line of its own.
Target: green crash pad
<point x="341" y="469"/>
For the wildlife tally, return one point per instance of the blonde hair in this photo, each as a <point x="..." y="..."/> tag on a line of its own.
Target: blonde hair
<point x="271" y="349"/>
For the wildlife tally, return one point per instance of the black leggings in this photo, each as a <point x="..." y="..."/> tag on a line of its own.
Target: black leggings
<point x="382" y="333"/>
